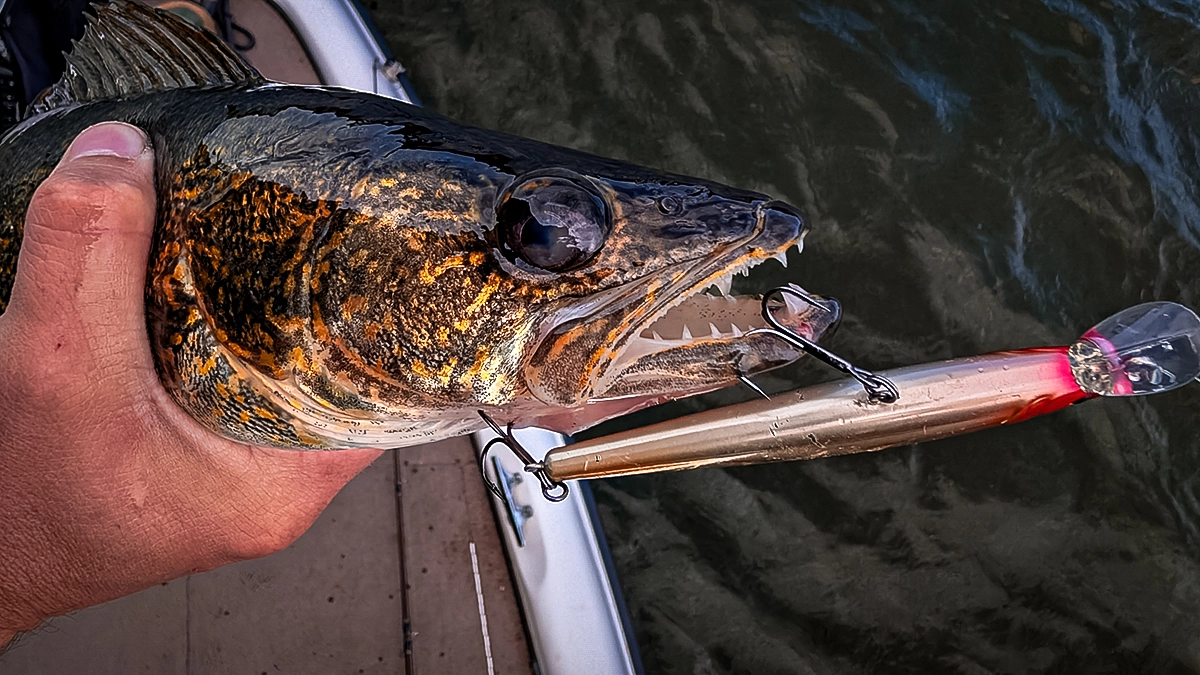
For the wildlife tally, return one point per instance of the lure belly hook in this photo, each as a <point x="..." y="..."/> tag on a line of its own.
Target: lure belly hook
<point x="1147" y="349"/>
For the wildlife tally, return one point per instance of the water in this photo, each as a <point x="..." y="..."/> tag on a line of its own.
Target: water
<point x="982" y="174"/>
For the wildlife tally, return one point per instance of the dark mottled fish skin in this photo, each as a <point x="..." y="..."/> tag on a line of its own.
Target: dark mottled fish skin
<point x="328" y="259"/>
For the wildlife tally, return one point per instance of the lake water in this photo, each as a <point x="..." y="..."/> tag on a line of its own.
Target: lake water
<point x="982" y="175"/>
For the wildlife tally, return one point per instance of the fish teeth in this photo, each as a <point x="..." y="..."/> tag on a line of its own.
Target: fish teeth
<point x="737" y="332"/>
<point x="782" y="258"/>
<point x="795" y="305"/>
<point x="687" y="334"/>
<point x="724" y="284"/>
<point x="712" y="330"/>
<point x="656" y="336"/>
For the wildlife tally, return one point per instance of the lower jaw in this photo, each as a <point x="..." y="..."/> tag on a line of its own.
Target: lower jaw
<point x="657" y="383"/>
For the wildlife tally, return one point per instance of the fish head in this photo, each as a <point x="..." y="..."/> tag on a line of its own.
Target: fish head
<point x="617" y="265"/>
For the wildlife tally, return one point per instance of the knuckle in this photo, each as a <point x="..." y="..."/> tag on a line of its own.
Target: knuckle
<point x="74" y="194"/>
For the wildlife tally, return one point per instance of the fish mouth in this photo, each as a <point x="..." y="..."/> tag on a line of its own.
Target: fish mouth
<point x="677" y="333"/>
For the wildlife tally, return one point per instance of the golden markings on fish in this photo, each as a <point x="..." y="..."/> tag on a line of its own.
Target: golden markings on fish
<point x="446" y="371"/>
<point x="606" y="352"/>
<point x="290" y="324"/>
<point x="299" y="359"/>
<point x="560" y="344"/>
<point x="318" y="325"/>
<point x="315" y="282"/>
<point x="353" y="305"/>
<point x="488" y="372"/>
<point x="443" y="214"/>
<point x="206" y="366"/>
<point x="420" y="370"/>
<point x="492" y="285"/>
<point x="469" y="377"/>
<point x="360" y="187"/>
<point x="429" y="273"/>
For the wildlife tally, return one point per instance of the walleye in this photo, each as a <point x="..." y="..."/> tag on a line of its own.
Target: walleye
<point x="335" y="269"/>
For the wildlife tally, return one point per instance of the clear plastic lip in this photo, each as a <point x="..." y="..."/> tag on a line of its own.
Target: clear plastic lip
<point x="1146" y="349"/>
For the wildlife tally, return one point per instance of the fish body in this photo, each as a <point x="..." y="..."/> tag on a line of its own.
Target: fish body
<point x="336" y="269"/>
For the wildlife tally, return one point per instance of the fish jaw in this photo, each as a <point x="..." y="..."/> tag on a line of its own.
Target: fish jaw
<point x="691" y="366"/>
<point x="664" y="339"/>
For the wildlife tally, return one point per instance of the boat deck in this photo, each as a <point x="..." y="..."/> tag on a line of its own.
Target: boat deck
<point x="404" y="573"/>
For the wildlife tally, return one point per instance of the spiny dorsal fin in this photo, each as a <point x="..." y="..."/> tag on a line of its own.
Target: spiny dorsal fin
<point x="129" y="49"/>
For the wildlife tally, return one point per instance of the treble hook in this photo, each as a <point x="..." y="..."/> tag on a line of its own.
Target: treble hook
<point x="552" y="490"/>
<point x="879" y="389"/>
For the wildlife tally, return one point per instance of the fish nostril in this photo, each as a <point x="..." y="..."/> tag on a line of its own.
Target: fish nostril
<point x="669" y="205"/>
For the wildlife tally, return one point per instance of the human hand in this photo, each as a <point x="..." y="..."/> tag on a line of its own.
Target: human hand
<point x="106" y="486"/>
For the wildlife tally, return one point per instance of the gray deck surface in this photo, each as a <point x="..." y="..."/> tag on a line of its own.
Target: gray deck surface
<point x="333" y="602"/>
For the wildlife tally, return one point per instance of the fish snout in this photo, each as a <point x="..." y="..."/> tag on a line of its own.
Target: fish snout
<point x="778" y="221"/>
<point x="783" y="222"/>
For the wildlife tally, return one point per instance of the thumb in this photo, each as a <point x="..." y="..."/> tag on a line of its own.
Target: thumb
<point x="87" y="232"/>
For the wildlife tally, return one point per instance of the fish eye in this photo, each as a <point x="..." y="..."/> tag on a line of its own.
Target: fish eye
<point x="553" y="223"/>
<point x="669" y="205"/>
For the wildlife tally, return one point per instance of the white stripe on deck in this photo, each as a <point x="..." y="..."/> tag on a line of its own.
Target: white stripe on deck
<point x="487" y="642"/>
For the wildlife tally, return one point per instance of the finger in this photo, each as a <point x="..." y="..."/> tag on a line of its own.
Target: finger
<point x="87" y="232"/>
